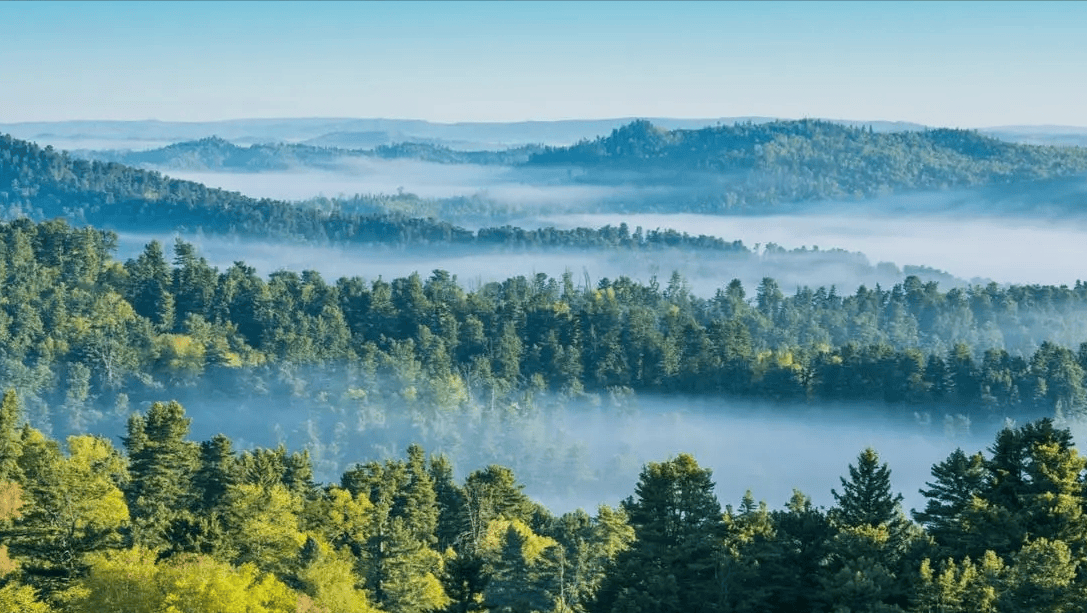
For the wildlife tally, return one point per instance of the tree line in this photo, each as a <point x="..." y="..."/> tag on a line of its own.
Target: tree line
<point x="77" y="325"/>
<point x="170" y="524"/>
<point x="41" y="184"/>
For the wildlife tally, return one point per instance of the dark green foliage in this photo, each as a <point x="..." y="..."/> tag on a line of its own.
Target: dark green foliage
<point x="958" y="480"/>
<point x="866" y="498"/>
<point x="215" y="153"/>
<point x="162" y="464"/>
<point x="1010" y="529"/>
<point x="678" y="527"/>
<point x="74" y="344"/>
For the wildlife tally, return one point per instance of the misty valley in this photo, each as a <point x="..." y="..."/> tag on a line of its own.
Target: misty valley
<point x="601" y="366"/>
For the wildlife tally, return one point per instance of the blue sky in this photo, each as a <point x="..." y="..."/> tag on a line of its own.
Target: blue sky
<point x="970" y="64"/>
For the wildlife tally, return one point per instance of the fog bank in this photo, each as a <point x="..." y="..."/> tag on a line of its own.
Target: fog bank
<point x="1006" y="250"/>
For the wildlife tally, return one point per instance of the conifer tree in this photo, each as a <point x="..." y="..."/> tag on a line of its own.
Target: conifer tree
<point x="866" y="498"/>
<point x="161" y="464"/>
<point x="958" y="480"/>
<point x="672" y="564"/>
<point x="522" y="578"/>
<point x="10" y="447"/>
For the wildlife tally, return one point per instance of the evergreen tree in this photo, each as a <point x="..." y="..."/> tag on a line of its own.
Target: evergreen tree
<point x="11" y="419"/>
<point x="866" y="498"/>
<point x="958" y="480"/>
<point x="162" y="464"/>
<point x="672" y="564"/>
<point x="522" y="579"/>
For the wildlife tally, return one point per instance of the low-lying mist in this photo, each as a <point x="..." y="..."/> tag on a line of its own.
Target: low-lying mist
<point x="1002" y="249"/>
<point x="579" y="453"/>
<point x="705" y="271"/>
<point x="511" y="191"/>
<point x="359" y="176"/>
<point x="1025" y="234"/>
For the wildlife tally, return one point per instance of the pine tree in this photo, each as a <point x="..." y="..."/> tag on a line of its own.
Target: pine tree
<point x="217" y="472"/>
<point x="958" y="480"/>
<point x="866" y="498"/>
<point x="400" y="568"/>
<point x="10" y="447"/>
<point x="672" y="564"/>
<point x="72" y="507"/>
<point x="162" y="465"/>
<point x="521" y="575"/>
<point x="449" y="498"/>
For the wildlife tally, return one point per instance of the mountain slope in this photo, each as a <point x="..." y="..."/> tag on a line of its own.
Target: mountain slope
<point x="786" y="161"/>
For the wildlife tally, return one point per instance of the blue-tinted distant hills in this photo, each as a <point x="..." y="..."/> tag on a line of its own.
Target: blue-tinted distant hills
<point x="355" y="133"/>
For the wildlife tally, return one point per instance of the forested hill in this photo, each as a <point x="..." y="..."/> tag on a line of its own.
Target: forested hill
<point x="785" y="161"/>
<point x="43" y="183"/>
<point x="215" y="153"/>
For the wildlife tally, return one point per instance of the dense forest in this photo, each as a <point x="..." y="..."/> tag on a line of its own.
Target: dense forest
<point x="168" y="524"/>
<point x="85" y="339"/>
<point x="367" y="368"/>
<point x="749" y="166"/>
<point x="42" y="184"/>
<point x="745" y="167"/>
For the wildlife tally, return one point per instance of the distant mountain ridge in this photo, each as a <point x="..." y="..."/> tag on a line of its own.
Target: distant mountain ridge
<point x="349" y="133"/>
<point x="367" y="133"/>
<point x="215" y="153"/>
<point x="756" y="164"/>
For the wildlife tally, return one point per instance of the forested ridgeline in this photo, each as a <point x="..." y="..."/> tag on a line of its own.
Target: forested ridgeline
<point x="215" y="153"/>
<point x="167" y="524"/>
<point x="743" y="168"/>
<point x="43" y="184"/>
<point x="749" y="165"/>
<point x="74" y="323"/>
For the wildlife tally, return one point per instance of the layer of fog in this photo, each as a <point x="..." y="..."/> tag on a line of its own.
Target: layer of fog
<point x="768" y="449"/>
<point x="705" y="271"/>
<point x="1006" y="250"/>
<point x="582" y="453"/>
<point x="508" y="192"/>
<point x="365" y="176"/>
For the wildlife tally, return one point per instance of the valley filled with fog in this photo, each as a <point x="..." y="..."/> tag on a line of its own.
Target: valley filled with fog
<point x="581" y="455"/>
<point x="581" y="451"/>
<point x="977" y="236"/>
<point x="543" y="307"/>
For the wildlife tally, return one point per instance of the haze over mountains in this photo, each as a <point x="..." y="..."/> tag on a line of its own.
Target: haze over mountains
<point x="796" y="169"/>
<point x="559" y="345"/>
<point x="369" y="133"/>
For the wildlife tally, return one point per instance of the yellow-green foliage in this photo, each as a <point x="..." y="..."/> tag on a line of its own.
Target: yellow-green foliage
<point x="330" y="582"/>
<point x="92" y="468"/>
<point x="265" y="521"/>
<point x="534" y="543"/>
<point x="131" y="581"/>
<point x="340" y="515"/>
<point x="15" y="598"/>
<point x="181" y="354"/>
<point x="11" y="501"/>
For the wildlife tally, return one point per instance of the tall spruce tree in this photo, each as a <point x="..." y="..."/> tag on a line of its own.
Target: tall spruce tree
<point x="866" y="498"/>
<point x="672" y="564"/>
<point x="957" y="481"/>
<point x="161" y="465"/>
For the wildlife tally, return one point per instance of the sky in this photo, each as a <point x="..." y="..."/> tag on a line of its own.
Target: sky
<point x="967" y="64"/>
